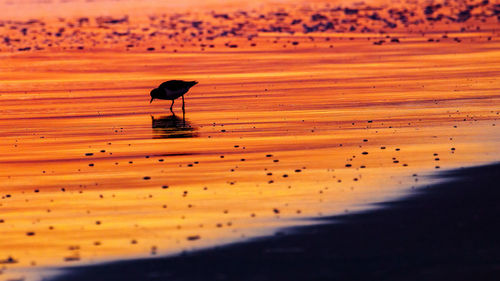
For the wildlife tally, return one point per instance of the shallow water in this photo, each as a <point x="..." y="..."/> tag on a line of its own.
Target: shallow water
<point x="274" y="134"/>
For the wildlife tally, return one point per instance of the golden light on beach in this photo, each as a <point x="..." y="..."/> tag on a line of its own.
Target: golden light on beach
<point x="302" y="110"/>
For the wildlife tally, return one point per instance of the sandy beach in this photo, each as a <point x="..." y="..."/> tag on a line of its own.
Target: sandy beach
<point x="303" y="111"/>
<point x="446" y="231"/>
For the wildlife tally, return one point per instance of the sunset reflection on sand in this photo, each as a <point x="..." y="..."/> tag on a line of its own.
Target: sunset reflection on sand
<point x="285" y="124"/>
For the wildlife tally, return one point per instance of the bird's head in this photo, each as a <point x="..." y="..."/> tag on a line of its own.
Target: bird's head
<point x="154" y="94"/>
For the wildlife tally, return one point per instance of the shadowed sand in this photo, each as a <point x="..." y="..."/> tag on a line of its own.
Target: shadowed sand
<point x="302" y="111"/>
<point x="447" y="231"/>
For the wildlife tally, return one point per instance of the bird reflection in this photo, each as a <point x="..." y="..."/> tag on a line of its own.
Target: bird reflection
<point x="171" y="126"/>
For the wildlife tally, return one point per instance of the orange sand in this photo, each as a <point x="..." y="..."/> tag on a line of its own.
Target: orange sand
<point x="268" y="136"/>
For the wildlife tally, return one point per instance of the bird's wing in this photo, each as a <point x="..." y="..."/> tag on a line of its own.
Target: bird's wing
<point x="173" y="85"/>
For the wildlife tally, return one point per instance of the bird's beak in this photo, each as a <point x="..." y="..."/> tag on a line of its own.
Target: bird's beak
<point x="151" y="100"/>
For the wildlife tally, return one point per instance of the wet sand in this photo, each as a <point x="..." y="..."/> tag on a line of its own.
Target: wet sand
<point x="301" y="112"/>
<point x="446" y="231"/>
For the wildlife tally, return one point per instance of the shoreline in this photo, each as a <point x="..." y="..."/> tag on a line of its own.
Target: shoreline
<point x="441" y="232"/>
<point x="301" y="111"/>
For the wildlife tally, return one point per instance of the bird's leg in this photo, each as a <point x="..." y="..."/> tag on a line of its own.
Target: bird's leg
<point x="172" y="106"/>
<point x="183" y="104"/>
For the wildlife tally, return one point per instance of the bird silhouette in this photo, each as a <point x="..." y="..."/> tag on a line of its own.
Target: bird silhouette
<point x="172" y="90"/>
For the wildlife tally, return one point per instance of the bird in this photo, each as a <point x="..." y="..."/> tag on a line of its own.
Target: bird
<point x="171" y="90"/>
